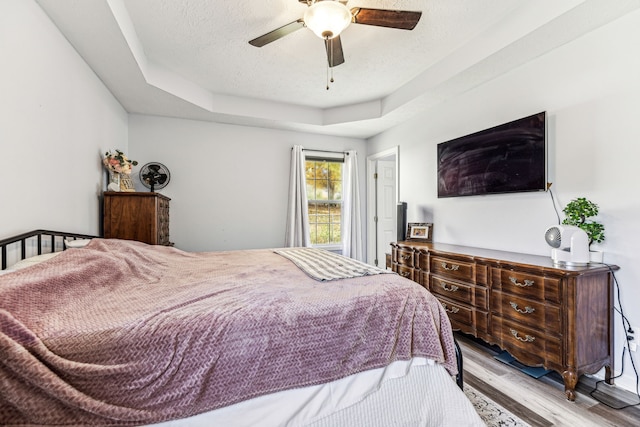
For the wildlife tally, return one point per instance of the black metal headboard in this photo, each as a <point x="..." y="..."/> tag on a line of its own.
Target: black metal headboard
<point x="38" y="238"/>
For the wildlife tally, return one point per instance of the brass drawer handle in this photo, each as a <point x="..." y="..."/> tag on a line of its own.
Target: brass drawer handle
<point x="527" y="309"/>
<point x="454" y="267"/>
<point x="453" y="310"/>
<point x="405" y="256"/>
<point x="526" y="283"/>
<point x="453" y="288"/>
<point x="405" y="273"/>
<point x="527" y="338"/>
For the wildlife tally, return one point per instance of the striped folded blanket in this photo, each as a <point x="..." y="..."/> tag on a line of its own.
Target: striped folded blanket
<point x="322" y="265"/>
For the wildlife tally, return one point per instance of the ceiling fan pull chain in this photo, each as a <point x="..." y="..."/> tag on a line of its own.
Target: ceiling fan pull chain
<point x="327" y="76"/>
<point x="329" y="44"/>
<point x="331" y="65"/>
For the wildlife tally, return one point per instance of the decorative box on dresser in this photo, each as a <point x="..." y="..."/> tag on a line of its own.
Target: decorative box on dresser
<point x="137" y="216"/>
<point x="557" y="317"/>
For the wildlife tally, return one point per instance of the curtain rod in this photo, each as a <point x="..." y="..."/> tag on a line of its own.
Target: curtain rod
<point x="346" y="153"/>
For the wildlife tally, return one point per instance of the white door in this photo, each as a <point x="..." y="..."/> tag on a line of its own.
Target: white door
<point x="386" y="206"/>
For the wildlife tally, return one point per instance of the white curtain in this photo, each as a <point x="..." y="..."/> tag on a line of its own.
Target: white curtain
<point x="352" y="241"/>
<point x="297" y="233"/>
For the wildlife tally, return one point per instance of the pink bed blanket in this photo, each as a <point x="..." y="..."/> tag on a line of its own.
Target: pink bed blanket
<point x="122" y="333"/>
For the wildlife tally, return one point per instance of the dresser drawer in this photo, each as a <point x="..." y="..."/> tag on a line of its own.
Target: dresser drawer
<point x="404" y="257"/>
<point x="458" y="312"/>
<point x="529" y="285"/>
<point x="452" y="268"/>
<point x="473" y="295"/>
<point x="451" y="289"/>
<point x="404" y="271"/>
<point x="538" y="314"/>
<point x="529" y="345"/>
<point x="464" y="318"/>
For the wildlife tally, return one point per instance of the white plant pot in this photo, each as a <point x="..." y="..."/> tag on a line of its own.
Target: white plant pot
<point x="596" y="256"/>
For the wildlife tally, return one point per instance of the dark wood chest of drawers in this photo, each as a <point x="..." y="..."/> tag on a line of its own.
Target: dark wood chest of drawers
<point x="137" y="216"/>
<point x="543" y="315"/>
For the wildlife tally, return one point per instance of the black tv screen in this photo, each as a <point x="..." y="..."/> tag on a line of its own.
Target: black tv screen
<point x="508" y="158"/>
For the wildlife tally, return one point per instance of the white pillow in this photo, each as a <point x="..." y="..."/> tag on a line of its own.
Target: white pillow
<point x="28" y="262"/>
<point x="78" y="243"/>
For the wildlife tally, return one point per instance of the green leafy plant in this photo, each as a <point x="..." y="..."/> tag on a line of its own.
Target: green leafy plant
<point x="578" y="211"/>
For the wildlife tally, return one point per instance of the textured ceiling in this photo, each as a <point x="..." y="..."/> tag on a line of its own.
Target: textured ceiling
<point x="206" y="42"/>
<point x="192" y="59"/>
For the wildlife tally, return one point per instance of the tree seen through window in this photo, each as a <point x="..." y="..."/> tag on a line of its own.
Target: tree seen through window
<point x="324" y="194"/>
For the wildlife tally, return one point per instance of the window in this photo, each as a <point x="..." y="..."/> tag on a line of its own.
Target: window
<point x="324" y="194"/>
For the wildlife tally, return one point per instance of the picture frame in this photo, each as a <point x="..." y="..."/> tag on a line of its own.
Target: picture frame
<point x="420" y="231"/>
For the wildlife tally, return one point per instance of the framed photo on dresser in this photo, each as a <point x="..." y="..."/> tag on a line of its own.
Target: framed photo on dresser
<point x="420" y="231"/>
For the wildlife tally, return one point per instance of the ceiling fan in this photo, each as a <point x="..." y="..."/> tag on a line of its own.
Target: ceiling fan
<point x="328" y="18"/>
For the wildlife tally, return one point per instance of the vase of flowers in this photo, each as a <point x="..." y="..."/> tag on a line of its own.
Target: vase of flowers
<point x="119" y="168"/>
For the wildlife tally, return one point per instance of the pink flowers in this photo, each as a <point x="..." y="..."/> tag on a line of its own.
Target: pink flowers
<point x="118" y="162"/>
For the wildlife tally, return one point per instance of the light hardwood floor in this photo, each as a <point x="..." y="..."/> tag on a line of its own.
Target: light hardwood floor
<point x="539" y="402"/>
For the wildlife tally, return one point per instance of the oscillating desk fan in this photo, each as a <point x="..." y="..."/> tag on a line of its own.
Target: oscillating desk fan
<point x="154" y="176"/>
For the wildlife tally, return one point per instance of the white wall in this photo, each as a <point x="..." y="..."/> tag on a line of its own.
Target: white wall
<point x="590" y="89"/>
<point x="229" y="184"/>
<point x="56" y="118"/>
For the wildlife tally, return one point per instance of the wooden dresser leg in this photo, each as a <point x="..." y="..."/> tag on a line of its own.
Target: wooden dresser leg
<point x="608" y="374"/>
<point x="570" y="381"/>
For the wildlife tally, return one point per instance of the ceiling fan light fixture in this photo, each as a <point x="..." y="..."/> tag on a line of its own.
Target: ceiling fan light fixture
<point x="328" y="18"/>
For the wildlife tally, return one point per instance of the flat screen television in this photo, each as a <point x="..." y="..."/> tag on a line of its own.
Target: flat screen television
<point x="508" y="158"/>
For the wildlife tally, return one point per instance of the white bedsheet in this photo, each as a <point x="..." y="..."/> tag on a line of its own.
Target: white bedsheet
<point x="406" y="393"/>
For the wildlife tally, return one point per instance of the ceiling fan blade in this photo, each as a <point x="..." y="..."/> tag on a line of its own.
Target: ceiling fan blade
<point x="401" y="19"/>
<point x="277" y="33"/>
<point x="335" y="56"/>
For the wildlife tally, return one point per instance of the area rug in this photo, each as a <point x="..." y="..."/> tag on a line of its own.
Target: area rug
<point x="491" y="413"/>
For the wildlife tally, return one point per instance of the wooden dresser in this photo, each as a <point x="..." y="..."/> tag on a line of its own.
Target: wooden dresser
<point x="560" y="318"/>
<point x="137" y="216"/>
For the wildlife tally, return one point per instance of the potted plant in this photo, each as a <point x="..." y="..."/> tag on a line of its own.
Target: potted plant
<point x="578" y="212"/>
